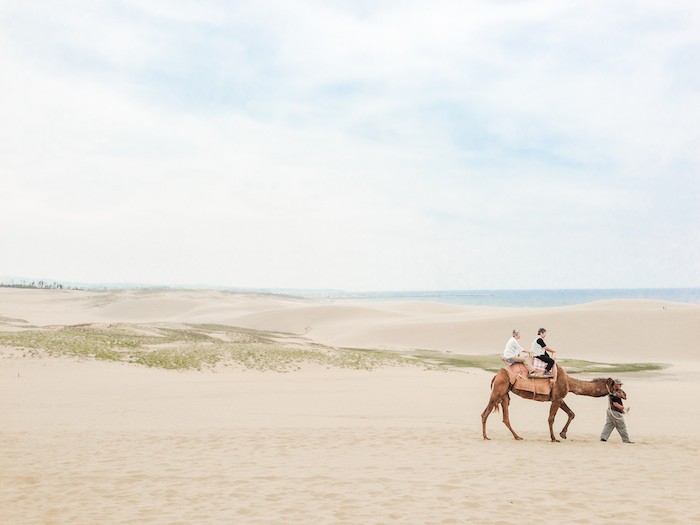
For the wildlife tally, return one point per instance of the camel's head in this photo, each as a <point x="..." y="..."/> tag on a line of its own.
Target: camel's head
<point x="615" y="387"/>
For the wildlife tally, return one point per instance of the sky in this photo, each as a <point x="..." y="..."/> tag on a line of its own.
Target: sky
<point x="353" y="145"/>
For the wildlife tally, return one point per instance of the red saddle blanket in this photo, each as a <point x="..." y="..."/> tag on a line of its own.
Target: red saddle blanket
<point x="518" y="376"/>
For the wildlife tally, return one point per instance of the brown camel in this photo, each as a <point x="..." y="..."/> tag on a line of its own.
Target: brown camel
<point x="500" y="386"/>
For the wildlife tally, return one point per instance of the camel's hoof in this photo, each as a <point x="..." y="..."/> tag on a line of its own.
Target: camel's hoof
<point x="487" y="438"/>
<point x="518" y="438"/>
<point x="562" y="435"/>
<point x="555" y="440"/>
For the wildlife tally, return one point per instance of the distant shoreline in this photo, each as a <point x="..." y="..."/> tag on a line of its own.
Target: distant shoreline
<point x="518" y="298"/>
<point x="538" y="298"/>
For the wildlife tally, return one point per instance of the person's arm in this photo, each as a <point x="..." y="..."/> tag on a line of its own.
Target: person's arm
<point x="618" y="406"/>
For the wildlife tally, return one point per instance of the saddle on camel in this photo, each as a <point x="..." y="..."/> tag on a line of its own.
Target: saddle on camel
<point x="537" y="384"/>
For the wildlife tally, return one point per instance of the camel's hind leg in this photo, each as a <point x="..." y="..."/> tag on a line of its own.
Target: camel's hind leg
<point x="493" y="405"/>
<point x="494" y="401"/>
<point x="499" y="396"/>
<point x="506" y="419"/>
<point x="571" y="415"/>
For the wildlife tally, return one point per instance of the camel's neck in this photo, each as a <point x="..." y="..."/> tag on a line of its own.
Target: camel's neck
<point x="595" y="388"/>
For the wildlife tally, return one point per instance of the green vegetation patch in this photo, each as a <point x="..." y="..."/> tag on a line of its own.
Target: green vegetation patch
<point x="576" y="366"/>
<point x="492" y="363"/>
<point x="448" y="360"/>
<point x="194" y="347"/>
<point x="202" y="346"/>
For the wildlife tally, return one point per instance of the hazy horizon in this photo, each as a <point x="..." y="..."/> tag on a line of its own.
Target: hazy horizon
<point x="14" y="281"/>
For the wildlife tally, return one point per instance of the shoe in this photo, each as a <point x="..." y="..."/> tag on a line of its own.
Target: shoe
<point x="628" y="442"/>
<point x="603" y="439"/>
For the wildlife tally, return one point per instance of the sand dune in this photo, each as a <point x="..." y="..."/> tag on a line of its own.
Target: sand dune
<point x="98" y="442"/>
<point x="624" y="330"/>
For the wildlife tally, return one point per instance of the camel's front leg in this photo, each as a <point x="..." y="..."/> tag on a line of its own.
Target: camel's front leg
<point x="553" y="412"/>
<point x="571" y="415"/>
<point x="506" y="418"/>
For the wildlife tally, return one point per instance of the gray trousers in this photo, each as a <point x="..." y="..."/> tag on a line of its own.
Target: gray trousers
<point x="614" y="420"/>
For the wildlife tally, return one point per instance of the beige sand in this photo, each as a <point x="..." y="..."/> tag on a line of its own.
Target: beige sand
<point x="97" y="442"/>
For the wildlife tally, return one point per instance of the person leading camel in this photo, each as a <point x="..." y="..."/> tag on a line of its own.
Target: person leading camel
<point x="514" y="353"/>
<point x="539" y="350"/>
<point x="615" y="416"/>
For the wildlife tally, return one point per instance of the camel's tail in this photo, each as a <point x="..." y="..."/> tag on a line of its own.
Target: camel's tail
<point x="498" y="405"/>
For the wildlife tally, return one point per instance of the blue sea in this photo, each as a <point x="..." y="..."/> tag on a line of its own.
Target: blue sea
<point x="513" y="298"/>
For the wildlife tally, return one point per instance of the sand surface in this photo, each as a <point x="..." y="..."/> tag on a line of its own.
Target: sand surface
<point x="85" y="441"/>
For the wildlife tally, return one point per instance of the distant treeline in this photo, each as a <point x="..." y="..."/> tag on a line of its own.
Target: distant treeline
<point x="33" y="284"/>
